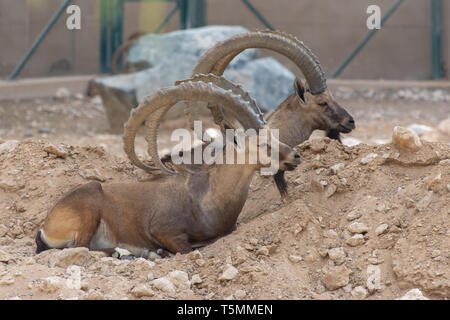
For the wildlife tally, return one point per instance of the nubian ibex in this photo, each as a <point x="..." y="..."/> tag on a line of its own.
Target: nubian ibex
<point x="311" y="106"/>
<point x="177" y="211"/>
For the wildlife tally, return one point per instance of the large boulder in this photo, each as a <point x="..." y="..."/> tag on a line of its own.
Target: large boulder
<point x="172" y="57"/>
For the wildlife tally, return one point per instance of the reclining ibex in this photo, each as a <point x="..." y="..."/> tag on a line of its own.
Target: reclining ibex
<point x="175" y="212"/>
<point x="309" y="108"/>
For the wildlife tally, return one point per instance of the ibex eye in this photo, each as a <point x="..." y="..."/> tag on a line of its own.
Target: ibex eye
<point x="323" y="104"/>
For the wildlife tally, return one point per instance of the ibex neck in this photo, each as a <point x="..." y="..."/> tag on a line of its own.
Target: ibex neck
<point x="293" y="125"/>
<point x="226" y="196"/>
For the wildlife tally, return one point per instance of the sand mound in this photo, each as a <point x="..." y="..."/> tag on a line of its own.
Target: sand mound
<point x="359" y="222"/>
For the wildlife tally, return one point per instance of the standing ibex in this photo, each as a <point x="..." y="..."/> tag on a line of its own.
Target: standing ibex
<point x="178" y="211"/>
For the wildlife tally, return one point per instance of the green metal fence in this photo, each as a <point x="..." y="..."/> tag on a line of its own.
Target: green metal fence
<point x="193" y="14"/>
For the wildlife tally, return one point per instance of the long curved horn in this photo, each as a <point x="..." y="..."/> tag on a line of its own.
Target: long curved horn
<point x="216" y="59"/>
<point x="159" y="103"/>
<point x="227" y="85"/>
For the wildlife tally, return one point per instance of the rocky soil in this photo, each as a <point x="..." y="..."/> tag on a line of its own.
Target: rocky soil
<point x="360" y="222"/>
<point x="368" y="221"/>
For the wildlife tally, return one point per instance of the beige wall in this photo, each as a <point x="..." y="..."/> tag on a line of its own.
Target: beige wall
<point x="21" y="22"/>
<point x="331" y="28"/>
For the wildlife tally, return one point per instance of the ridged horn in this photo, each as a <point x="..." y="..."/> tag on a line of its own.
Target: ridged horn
<point x="227" y="85"/>
<point x="216" y="59"/>
<point x="157" y="105"/>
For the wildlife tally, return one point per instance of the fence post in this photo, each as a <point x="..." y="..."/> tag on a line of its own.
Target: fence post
<point x="111" y="26"/>
<point x="436" y="38"/>
<point x="192" y="13"/>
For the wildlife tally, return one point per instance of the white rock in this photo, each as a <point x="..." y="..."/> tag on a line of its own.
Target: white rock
<point x="413" y="294"/>
<point x="420" y="129"/>
<point x="4" y="257"/>
<point x="141" y="290"/>
<point x="358" y="227"/>
<point x="337" y="167"/>
<point x="51" y="284"/>
<point x="180" y="279"/>
<point x="331" y="233"/>
<point x="143" y="264"/>
<point x="359" y="292"/>
<point x="229" y="273"/>
<point x="164" y="285"/>
<point x="7" y="281"/>
<point x="97" y="100"/>
<point x="194" y="255"/>
<point x="240" y="294"/>
<point x="62" y="93"/>
<point x="295" y="259"/>
<point x="373" y="282"/>
<point x="263" y="251"/>
<point x="70" y="256"/>
<point x="330" y="190"/>
<point x="94" y="174"/>
<point x="355" y="214"/>
<point x="444" y="126"/>
<point x="74" y="280"/>
<point x="337" y="255"/>
<point x="382" y="228"/>
<point x="9" y="146"/>
<point x="355" y="240"/>
<point x="335" y="277"/>
<point x="350" y="142"/>
<point x="79" y="96"/>
<point x="200" y="262"/>
<point x="368" y="158"/>
<point x="406" y="139"/>
<point x="196" y="279"/>
<point x="59" y="151"/>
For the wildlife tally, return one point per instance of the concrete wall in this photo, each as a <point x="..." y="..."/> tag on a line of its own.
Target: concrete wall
<point x="331" y="28"/>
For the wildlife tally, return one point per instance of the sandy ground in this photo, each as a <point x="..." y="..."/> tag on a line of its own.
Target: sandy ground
<point x="349" y="229"/>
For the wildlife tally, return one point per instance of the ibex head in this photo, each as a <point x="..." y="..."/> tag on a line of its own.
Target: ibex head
<point x="323" y="111"/>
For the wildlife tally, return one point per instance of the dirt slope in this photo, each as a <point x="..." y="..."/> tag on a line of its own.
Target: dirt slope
<point x="397" y="204"/>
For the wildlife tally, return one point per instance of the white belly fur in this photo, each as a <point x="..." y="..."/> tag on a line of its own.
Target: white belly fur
<point x="103" y="239"/>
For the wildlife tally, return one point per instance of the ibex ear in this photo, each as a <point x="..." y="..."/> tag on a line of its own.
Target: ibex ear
<point x="299" y="90"/>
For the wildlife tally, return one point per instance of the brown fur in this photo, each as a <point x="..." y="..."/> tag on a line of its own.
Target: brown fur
<point x="175" y="213"/>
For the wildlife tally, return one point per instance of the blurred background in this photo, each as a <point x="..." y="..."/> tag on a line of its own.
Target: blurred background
<point x="78" y="86"/>
<point x="414" y="43"/>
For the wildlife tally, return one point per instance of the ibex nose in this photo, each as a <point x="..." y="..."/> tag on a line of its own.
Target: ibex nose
<point x="297" y="157"/>
<point x="351" y="122"/>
